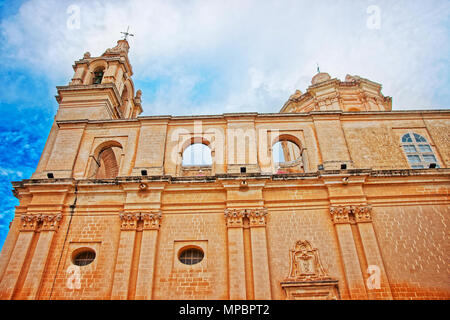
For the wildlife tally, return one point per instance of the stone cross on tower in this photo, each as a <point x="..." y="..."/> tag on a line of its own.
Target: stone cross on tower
<point x="126" y="34"/>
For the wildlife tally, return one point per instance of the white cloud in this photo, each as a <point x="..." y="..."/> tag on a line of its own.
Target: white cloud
<point x="258" y="52"/>
<point x="8" y="172"/>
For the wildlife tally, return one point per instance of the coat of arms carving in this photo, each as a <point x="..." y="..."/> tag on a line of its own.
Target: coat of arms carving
<point x="307" y="278"/>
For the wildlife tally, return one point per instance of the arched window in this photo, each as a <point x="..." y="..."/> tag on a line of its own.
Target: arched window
<point x="287" y="157"/>
<point x="123" y="107"/>
<point x="197" y="154"/>
<point x="98" y="76"/>
<point x="418" y="151"/>
<point x="106" y="164"/>
<point x="196" y="160"/>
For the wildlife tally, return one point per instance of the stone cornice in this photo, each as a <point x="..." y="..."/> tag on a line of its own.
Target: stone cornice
<point x="372" y="174"/>
<point x="369" y="115"/>
<point x="77" y="88"/>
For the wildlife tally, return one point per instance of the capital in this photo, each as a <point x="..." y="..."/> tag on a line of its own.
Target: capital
<point x="151" y="220"/>
<point x="129" y="220"/>
<point x="235" y="217"/>
<point x="50" y="222"/>
<point x="257" y="217"/>
<point x="351" y="214"/>
<point x="29" y="222"/>
<point x="363" y="214"/>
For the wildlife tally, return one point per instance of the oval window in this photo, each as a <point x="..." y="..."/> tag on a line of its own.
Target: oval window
<point x="84" y="257"/>
<point x="191" y="256"/>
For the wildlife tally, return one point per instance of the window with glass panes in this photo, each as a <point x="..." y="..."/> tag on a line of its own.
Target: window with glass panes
<point x="418" y="151"/>
<point x="191" y="256"/>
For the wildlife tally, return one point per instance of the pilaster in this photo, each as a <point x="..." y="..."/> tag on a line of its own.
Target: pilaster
<point x="352" y="268"/>
<point x="150" y="230"/>
<point x="129" y="222"/>
<point x="377" y="284"/>
<point x="50" y="224"/>
<point x="236" y="259"/>
<point x="260" y="258"/>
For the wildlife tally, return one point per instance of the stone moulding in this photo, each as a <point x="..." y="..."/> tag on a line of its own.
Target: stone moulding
<point x="257" y="217"/>
<point x="151" y="220"/>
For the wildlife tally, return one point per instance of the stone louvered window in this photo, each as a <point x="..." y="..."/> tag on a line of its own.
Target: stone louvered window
<point x="418" y="151"/>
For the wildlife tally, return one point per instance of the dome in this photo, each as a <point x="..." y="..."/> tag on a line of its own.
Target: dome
<point x="320" y="77"/>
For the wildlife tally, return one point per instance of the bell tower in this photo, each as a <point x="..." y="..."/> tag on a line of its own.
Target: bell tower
<point x="101" y="88"/>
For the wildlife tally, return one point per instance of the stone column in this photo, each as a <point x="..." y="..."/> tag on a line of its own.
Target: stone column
<point x="124" y="255"/>
<point x="50" y="223"/>
<point x="236" y="259"/>
<point x="260" y="258"/>
<point x="349" y="254"/>
<point x="150" y="230"/>
<point x="11" y="276"/>
<point x="377" y="285"/>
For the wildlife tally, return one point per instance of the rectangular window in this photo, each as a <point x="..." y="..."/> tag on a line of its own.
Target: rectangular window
<point x="424" y="148"/>
<point x="413" y="159"/>
<point x="410" y="149"/>
<point x="429" y="158"/>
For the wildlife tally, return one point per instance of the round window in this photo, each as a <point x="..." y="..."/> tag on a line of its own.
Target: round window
<point x="83" y="257"/>
<point x="191" y="256"/>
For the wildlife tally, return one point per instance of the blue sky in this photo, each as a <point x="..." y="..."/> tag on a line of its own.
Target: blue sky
<point x="209" y="57"/>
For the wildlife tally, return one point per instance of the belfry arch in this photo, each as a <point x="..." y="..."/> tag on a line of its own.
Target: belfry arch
<point x="105" y="162"/>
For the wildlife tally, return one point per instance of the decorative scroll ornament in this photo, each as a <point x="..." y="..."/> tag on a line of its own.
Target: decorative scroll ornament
<point x="257" y="217"/>
<point x="30" y="222"/>
<point x="305" y="264"/>
<point x="351" y="214"/>
<point x="151" y="220"/>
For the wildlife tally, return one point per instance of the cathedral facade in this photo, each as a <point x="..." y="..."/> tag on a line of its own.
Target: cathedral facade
<point x="336" y="196"/>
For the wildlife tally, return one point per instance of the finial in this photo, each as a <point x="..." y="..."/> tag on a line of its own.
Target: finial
<point x="126" y="34"/>
<point x="318" y="69"/>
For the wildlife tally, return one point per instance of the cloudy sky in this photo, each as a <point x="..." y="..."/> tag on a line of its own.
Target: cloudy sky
<point x="209" y="57"/>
